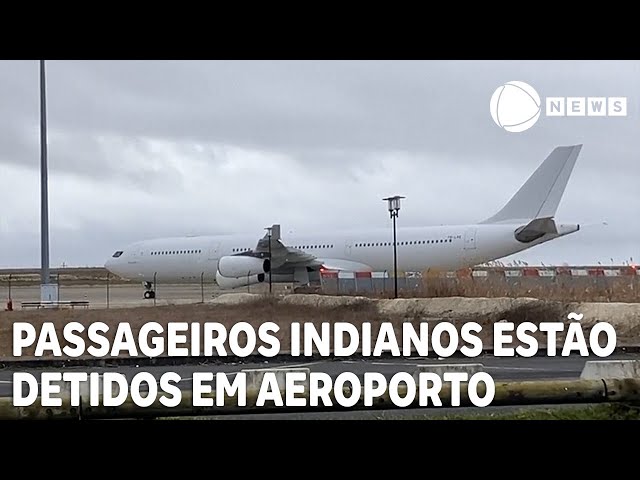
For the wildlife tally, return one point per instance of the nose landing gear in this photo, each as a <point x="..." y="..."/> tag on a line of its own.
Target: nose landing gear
<point x="149" y="291"/>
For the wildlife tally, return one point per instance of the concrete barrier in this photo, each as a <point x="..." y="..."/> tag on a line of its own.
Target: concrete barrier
<point x="236" y="298"/>
<point x="325" y="301"/>
<point x="605" y="369"/>
<point x="452" y="307"/>
<point x="440" y="369"/>
<point x="254" y="377"/>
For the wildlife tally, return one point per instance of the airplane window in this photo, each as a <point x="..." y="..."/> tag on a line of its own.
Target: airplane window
<point x="117" y="254"/>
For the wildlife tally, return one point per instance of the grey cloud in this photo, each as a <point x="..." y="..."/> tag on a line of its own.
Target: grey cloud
<point x="146" y="145"/>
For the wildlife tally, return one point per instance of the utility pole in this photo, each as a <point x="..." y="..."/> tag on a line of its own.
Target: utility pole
<point x="46" y="290"/>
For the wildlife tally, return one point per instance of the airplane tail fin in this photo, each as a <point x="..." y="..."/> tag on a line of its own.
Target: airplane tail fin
<point x="540" y="195"/>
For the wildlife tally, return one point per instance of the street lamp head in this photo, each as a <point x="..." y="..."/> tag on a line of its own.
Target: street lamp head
<point x="394" y="204"/>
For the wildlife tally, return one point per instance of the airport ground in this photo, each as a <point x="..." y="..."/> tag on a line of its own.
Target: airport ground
<point x="98" y="286"/>
<point x="180" y="302"/>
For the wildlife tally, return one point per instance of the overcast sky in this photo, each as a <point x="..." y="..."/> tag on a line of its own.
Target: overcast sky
<point x="142" y="149"/>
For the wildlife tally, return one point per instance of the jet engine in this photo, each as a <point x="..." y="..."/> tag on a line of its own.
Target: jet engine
<point x="236" y="266"/>
<point x="227" y="283"/>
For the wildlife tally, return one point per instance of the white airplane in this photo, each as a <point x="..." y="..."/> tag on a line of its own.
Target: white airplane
<point x="240" y="260"/>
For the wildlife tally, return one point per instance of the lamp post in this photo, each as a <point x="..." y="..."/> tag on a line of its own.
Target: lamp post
<point x="45" y="287"/>
<point x="394" y="208"/>
<point x="269" y="233"/>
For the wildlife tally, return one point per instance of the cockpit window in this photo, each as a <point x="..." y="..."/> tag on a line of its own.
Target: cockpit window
<point x="117" y="254"/>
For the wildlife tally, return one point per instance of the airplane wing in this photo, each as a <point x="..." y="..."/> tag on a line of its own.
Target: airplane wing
<point x="285" y="259"/>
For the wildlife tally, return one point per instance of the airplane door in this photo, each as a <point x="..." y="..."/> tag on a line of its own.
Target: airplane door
<point x="470" y="239"/>
<point x="347" y="248"/>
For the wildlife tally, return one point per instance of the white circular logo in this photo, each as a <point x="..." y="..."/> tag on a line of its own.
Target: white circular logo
<point x="515" y="106"/>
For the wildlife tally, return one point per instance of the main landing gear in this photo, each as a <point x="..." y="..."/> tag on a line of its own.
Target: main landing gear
<point x="149" y="291"/>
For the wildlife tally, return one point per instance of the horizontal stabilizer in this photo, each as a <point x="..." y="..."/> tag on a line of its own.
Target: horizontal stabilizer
<point x="535" y="229"/>
<point x="540" y="195"/>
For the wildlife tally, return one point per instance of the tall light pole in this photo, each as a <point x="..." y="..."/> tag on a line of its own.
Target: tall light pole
<point x="45" y="289"/>
<point x="394" y="208"/>
<point x="269" y="233"/>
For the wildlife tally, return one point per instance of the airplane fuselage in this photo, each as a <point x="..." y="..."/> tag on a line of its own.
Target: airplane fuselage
<point x="187" y="259"/>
